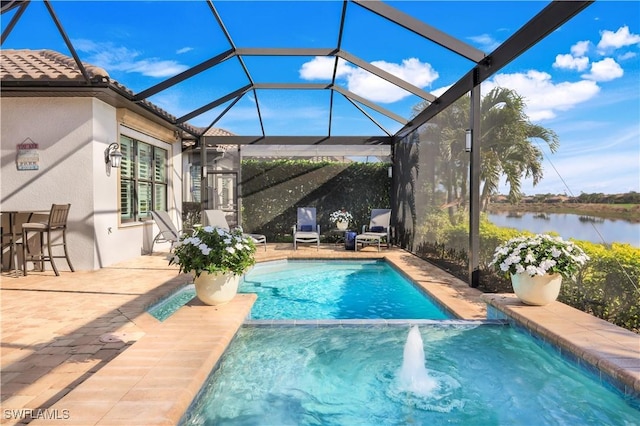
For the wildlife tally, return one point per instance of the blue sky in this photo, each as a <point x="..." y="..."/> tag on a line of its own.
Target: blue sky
<point x="582" y="81"/>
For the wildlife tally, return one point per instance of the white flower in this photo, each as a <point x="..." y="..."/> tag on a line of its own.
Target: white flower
<point x="340" y="215"/>
<point x="531" y="270"/>
<point x="233" y="253"/>
<point x="194" y="241"/>
<point x="539" y="255"/>
<point x="547" y="264"/>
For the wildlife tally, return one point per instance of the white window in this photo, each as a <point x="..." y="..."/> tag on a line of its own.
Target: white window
<point x="143" y="179"/>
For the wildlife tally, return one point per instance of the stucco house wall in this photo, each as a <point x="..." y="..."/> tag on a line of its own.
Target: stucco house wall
<point x="72" y="135"/>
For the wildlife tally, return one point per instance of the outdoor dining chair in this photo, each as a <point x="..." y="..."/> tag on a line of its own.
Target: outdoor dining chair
<point x="56" y="223"/>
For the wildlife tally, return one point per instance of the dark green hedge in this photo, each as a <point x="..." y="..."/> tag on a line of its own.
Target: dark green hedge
<point x="273" y="190"/>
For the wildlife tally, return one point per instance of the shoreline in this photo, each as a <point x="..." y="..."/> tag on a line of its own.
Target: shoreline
<point x="628" y="212"/>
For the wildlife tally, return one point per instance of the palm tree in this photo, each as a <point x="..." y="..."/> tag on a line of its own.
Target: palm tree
<point x="507" y="141"/>
<point x="507" y="147"/>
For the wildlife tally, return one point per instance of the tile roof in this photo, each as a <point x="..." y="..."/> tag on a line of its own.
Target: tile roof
<point x="44" y="67"/>
<point x="215" y="131"/>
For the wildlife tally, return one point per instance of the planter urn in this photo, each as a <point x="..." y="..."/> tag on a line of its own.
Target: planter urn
<point x="538" y="290"/>
<point x="217" y="288"/>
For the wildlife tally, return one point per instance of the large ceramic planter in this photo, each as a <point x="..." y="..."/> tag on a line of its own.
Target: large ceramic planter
<point x="539" y="290"/>
<point x="216" y="289"/>
<point x="342" y="225"/>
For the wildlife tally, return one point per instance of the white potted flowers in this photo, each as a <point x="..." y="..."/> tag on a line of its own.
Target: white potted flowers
<point x="341" y="218"/>
<point x="218" y="258"/>
<point x="537" y="264"/>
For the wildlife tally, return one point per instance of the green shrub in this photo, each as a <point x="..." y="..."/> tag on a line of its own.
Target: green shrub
<point x="273" y="190"/>
<point x="608" y="287"/>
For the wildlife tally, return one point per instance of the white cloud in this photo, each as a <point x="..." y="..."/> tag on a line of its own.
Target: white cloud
<point x="486" y="42"/>
<point x="321" y="68"/>
<point x="542" y="96"/>
<point x="615" y="40"/>
<point x="370" y="86"/>
<point x="440" y="90"/>
<point x="184" y="50"/>
<point x="604" y="70"/>
<point x="155" y="68"/>
<point x="570" y="62"/>
<point x="576" y="60"/>
<point x="627" y="55"/>
<point x="600" y="159"/>
<point x="580" y="48"/>
<point x="118" y="58"/>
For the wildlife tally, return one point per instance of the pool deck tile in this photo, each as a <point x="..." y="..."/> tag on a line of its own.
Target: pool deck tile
<point x="82" y="349"/>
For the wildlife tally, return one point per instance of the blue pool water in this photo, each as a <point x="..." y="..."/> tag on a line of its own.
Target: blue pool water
<point x="323" y="290"/>
<point x="476" y="375"/>
<point x="335" y="290"/>
<point x="166" y="307"/>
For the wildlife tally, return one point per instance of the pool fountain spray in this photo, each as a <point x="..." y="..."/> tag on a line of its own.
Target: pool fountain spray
<point x="413" y="374"/>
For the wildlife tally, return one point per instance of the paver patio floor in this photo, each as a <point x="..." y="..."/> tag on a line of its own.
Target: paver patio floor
<point x="81" y="348"/>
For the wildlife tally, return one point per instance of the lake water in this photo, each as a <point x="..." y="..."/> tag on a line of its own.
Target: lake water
<point x="570" y="226"/>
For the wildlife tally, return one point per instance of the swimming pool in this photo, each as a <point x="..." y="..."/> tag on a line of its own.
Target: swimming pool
<point x="470" y="375"/>
<point x="164" y="308"/>
<point x="327" y="289"/>
<point x="335" y="289"/>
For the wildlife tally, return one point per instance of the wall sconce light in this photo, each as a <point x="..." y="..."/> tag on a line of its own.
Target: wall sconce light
<point x="390" y="172"/>
<point x="112" y="155"/>
<point x="467" y="140"/>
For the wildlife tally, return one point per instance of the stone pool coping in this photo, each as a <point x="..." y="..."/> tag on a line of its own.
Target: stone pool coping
<point x="155" y="380"/>
<point x="609" y="351"/>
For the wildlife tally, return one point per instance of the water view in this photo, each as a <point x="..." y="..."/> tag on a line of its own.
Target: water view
<point x="595" y="230"/>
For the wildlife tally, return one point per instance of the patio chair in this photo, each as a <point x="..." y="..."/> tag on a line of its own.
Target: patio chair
<point x="9" y="243"/>
<point x="378" y="230"/>
<point x="168" y="231"/>
<point x="306" y="229"/>
<point x="56" y="222"/>
<point x="218" y="219"/>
